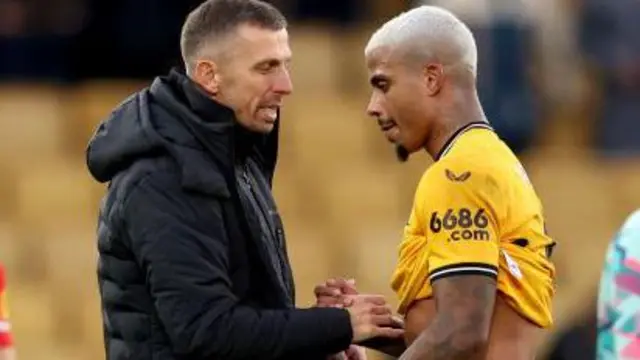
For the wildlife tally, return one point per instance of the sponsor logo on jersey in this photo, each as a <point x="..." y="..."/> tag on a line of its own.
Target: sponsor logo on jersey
<point x="461" y="224"/>
<point x="457" y="177"/>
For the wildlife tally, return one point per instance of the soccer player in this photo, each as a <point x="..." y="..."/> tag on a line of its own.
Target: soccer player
<point x="6" y="340"/>
<point x="474" y="276"/>
<point x="619" y="299"/>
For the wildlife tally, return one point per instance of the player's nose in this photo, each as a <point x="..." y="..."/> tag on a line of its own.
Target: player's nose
<point x="374" y="109"/>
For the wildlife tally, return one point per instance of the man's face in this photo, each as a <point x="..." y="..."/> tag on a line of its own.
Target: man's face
<point x="252" y="76"/>
<point x="401" y="101"/>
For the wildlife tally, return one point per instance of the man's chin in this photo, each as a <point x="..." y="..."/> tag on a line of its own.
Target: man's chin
<point x="402" y="154"/>
<point x="264" y="127"/>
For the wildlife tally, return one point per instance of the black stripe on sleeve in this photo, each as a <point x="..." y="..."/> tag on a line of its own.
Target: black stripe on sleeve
<point x="463" y="269"/>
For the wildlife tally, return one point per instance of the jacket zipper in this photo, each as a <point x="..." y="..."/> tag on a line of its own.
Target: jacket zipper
<point x="262" y="205"/>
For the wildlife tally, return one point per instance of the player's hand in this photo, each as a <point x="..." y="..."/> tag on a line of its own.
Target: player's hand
<point x="332" y="293"/>
<point x="355" y="352"/>
<point x="372" y="317"/>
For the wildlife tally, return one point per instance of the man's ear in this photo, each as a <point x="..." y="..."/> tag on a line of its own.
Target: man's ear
<point x="206" y="74"/>
<point x="434" y="78"/>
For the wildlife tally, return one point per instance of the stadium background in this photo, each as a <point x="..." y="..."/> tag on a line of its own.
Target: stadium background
<point x="560" y="80"/>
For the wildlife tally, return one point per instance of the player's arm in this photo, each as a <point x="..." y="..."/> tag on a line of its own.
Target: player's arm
<point x="460" y="329"/>
<point x="463" y="262"/>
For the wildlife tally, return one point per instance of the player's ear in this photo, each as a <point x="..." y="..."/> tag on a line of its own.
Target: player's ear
<point x="434" y="78"/>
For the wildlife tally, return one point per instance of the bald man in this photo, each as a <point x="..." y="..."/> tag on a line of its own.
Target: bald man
<point x="474" y="276"/>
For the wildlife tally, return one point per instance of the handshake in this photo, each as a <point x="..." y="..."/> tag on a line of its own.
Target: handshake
<point x="372" y="320"/>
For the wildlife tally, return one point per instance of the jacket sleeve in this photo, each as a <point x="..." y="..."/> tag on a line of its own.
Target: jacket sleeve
<point x="179" y="240"/>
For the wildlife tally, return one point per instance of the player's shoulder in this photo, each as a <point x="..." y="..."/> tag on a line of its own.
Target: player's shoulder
<point x="459" y="171"/>
<point x="477" y="158"/>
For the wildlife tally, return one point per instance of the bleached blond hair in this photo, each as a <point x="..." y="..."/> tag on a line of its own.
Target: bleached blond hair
<point x="431" y="33"/>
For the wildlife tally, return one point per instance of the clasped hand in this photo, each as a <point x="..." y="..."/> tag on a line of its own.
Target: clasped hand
<point x="371" y="316"/>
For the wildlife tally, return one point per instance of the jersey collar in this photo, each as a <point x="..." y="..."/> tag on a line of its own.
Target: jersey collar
<point x="449" y="143"/>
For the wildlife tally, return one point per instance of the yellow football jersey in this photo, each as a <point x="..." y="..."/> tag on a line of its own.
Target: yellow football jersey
<point x="476" y="212"/>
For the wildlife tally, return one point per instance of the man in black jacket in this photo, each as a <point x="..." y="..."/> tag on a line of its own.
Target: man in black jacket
<point x="193" y="262"/>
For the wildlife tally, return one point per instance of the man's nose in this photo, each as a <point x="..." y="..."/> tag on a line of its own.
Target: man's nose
<point x="283" y="84"/>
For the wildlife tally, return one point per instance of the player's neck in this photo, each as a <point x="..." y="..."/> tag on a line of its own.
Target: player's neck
<point x="468" y="110"/>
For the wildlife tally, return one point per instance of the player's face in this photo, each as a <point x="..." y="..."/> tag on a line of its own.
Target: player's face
<point x="400" y="101"/>
<point x="252" y="76"/>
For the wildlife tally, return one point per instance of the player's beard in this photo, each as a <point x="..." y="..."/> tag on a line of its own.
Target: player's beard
<point x="402" y="153"/>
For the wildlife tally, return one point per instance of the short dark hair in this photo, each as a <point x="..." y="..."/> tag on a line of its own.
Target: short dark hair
<point x="217" y="18"/>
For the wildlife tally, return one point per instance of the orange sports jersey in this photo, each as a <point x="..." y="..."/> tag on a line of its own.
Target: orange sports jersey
<point x="5" y="327"/>
<point x="475" y="212"/>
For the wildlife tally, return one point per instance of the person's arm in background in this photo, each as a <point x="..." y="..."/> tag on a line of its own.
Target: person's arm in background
<point x="618" y="289"/>
<point x="7" y="352"/>
<point x="181" y="242"/>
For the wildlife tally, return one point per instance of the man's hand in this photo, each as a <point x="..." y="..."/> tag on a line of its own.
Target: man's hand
<point x="334" y="293"/>
<point x="342" y="293"/>
<point x="371" y="317"/>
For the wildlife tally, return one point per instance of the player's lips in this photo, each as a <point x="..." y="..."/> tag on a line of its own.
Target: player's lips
<point x="390" y="129"/>
<point x="386" y="125"/>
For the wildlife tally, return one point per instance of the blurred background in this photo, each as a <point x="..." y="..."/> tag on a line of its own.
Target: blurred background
<point x="559" y="79"/>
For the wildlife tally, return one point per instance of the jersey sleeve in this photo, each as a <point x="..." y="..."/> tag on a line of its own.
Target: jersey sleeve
<point x="409" y="277"/>
<point x="6" y="339"/>
<point x="460" y="208"/>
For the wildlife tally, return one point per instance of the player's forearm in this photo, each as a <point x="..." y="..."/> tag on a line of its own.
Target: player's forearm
<point x="441" y="341"/>
<point x="391" y="347"/>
